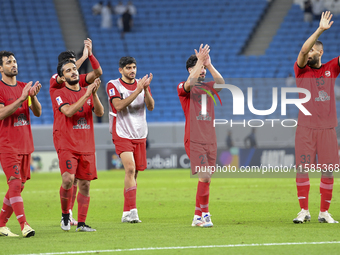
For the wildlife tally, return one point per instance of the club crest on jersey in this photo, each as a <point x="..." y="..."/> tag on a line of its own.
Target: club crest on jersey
<point x="22" y="121"/>
<point x="323" y="96"/>
<point x="59" y="101"/>
<point x="111" y="92"/>
<point x="89" y="102"/>
<point x="180" y="85"/>
<point x="328" y="73"/>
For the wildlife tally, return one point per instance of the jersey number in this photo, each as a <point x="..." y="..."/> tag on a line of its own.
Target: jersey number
<point x="68" y="164"/>
<point x="320" y="81"/>
<point x="305" y="159"/>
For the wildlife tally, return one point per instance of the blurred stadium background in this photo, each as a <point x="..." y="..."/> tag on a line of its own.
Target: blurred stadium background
<point x="254" y="43"/>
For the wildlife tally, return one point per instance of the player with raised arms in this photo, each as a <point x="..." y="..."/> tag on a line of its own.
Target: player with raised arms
<point x="315" y="133"/>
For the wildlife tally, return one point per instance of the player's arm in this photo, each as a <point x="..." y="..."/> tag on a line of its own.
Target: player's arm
<point x="325" y="23"/>
<point x="120" y="104"/>
<point x="215" y="74"/>
<point x="97" y="105"/>
<point x="97" y="70"/>
<point x="196" y="71"/>
<point x="70" y="109"/>
<point x="149" y="101"/>
<point x="8" y="110"/>
<point x="35" y="104"/>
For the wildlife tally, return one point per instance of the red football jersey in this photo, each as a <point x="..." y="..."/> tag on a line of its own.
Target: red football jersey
<point x="320" y="82"/>
<point x="73" y="133"/>
<point x="54" y="85"/>
<point x="198" y="128"/>
<point x="15" y="130"/>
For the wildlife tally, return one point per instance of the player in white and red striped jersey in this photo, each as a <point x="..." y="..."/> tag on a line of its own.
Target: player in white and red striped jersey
<point x="127" y="99"/>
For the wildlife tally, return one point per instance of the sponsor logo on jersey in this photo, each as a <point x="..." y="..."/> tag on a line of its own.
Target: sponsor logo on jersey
<point x="22" y="121"/>
<point x="328" y="73"/>
<point x="59" y="101"/>
<point x="89" y="102"/>
<point x="111" y="92"/>
<point x="81" y="124"/>
<point x="323" y="96"/>
<point x="203" y="117"/>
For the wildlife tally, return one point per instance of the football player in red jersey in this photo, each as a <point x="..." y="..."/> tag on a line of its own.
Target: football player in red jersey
<point x="73" y="107"/>
<point x="200" y="136"/>
<point x="16" y="98"/>
<point x="315" y="133"/>
<point x="84" y="80"/>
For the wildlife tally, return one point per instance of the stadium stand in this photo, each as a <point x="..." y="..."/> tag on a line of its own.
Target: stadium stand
<point x="164" y="35"/>
<point x="30" y="29"/>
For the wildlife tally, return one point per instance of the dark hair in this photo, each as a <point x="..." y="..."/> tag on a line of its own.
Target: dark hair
<point x="124" y="61"/>
<point x="191" y="62"/>
<point x="319" y="43"/>
<point x="61" y="65"/>
<point x="5" y="54"/>
<point x="66" y="55"/>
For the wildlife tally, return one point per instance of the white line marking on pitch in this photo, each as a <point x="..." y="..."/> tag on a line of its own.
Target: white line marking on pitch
<point x="183" y="247"/>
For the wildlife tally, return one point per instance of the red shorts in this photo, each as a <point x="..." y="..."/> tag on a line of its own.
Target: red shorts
<point x="201" y="155"/>
<point x="16" y="165"/>
<point x="83" y="166"/>
<point x="136" y="146"/>
<point x="311" y="142"/>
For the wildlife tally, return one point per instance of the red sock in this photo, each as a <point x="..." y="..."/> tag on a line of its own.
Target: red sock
<point x="130" y="196"/>
<point x="203" y="195"/>
<point x="326" y="190"/>
<point x="65" y="199"/>
<point x="198" y="210"/>
<point x="126" y="206"/>
<point x="83" y="207"/>
<point x="73" y="198"/>
<point x="16" y="201"/>
<point x="6" y="211"/>
<point x="303" y="185"/>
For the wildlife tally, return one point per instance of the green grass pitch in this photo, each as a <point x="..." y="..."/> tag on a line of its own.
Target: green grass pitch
<point x="244" y="211"/>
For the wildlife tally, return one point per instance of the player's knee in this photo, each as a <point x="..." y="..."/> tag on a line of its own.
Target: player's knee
<point x="130" y="170"/>
<point x="67" y="181"/>
<point x="84" y="186"/>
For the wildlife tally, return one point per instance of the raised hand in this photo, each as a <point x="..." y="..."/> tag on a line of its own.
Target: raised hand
<point x="97" y="82"/>
<point x="90" y="89"/>
<point x="207" y="61"/>
<point x="88" y="44"/>
<point x="141" y="83"/>
<point x="203" y="52"/>
<point x="148" y="81"/>
<point x="25" y="91"/>
<point x="85" y="50"/>
<point x="325" y="21"/>
<point x="35" y="89"/>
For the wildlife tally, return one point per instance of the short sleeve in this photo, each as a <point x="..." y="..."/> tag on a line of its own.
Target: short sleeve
<point x="335" y="66"/>
<point x="59" y="99"/>
<point x="112" y="91"/>
<point x="82" y="80"/>
<point x="181" y="91"/>
<point x="300" y="70"/>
